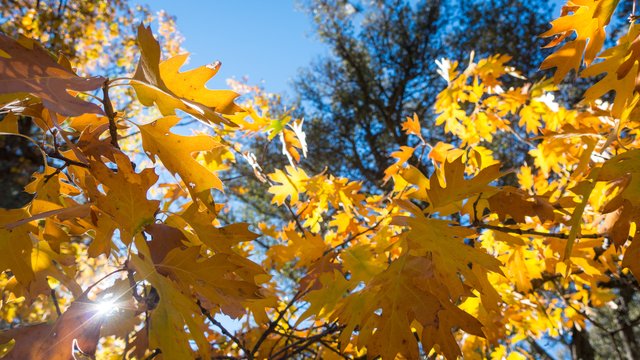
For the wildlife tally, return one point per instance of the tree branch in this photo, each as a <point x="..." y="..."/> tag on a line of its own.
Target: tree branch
<point x="111" y="115"/>
<point x="273" y="324"/>
<point x="353" y="237"/>
<point x="302" y="345"/>
<point x="226" y="332"/>
<point x="532" y="232"/>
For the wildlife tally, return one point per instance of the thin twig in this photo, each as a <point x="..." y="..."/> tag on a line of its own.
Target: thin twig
<point x="55" y="302"/>
<point x="57" y="155"/>
<point x="132" y="284"/>
<point x="296" y="218"/>
<point x="226" y="332"/>
<point x="262" y="244"/>
<point x="532" y="232"/>
<point x="475" y="211"/>
<point x="274" y="323"/>
<point x="56" y="172"/>
<point x="126" y="347"/>
<point x="111" y="115"/>
<point x="302" y="345"/>
<point x="353" y="237"/>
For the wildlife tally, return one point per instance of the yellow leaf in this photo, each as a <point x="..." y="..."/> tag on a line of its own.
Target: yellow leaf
<point x="291" y="184"/>
<point x="384" y="312"/>
<point x="449" y="185"/>
<point x="620" y="63"/>
<point x="412" y="126"/>
<point x="126" y="195"/>
<point x="173" y="311"/>
<point x="190" y="85"/>
<point x="219" y="239"/>
<point x="9" y="124"/>
<point x="631" y="256"/>
<point x="305" y="249"/>
<point x="403" y="155"/>
<point x="523" y="265"/>
<point x="15" y="245"/>
<point x="587" y="19"/>
<point x="158" y="83"/>
<point x="177" y="153"/>
<point x="224" y="280"/>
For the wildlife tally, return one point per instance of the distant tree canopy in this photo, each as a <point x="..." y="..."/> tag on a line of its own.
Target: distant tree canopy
<point x="382" y="68"/>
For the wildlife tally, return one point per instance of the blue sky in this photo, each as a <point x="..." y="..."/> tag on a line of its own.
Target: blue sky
<point x="265" y="40"/>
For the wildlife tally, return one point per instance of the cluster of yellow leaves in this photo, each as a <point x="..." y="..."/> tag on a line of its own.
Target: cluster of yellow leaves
<point x="549" y="236"/>
<point x="259" y="119"/>
<point x="475" y="105"/>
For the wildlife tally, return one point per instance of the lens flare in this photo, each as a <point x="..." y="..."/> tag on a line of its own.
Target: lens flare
<point x="106" y="307"/>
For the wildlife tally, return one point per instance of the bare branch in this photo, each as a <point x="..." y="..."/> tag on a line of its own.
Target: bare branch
<point x="226" y="332"/>
<point x="111" y="115"/>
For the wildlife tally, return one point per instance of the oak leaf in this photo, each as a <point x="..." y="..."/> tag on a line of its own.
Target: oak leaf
<point x="524" y="265"/>
<point x="27" y="68"/>
<point x="631" y="256"/>
<point x="174" y="311"/>
<point x="224" y="280"/>
<point x="125" y="200"/>
<point x="517" y="204"/>
<point x="450" y="185"/>
<point x="622" y="170"/>
<point x="304" y="249"/>
<point x="15" y="245"/>
<point x="386" y="310"/>
<point x="197" y="224"/>
<point x="162" y="83"/>
<point x="411" y="126"/>
<point x="289" y="184"/>
<point x="77" y="327"/>
<point x="177" y="153"/>
<point x="402" y="156"/>
<point x="587" y="19"/>
<point x="620" y="63"/>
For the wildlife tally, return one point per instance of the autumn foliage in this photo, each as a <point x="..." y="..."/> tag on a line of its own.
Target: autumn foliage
<point x="122" y="253"/>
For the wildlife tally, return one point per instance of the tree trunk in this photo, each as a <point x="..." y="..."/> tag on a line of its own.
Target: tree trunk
<point x="581" y="348"/>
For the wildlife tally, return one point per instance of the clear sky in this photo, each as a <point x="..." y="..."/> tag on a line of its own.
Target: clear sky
<point x="267" y="40"/>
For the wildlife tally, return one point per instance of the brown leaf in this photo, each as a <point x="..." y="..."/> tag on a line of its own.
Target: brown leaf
<point x="55" y="341"/>
<point x="164" y="238"/>
<point x="517" y="204"/>
<point x="631" y="256"/>
<point x="27" y="68"/>
<point x="618" y="222"/>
